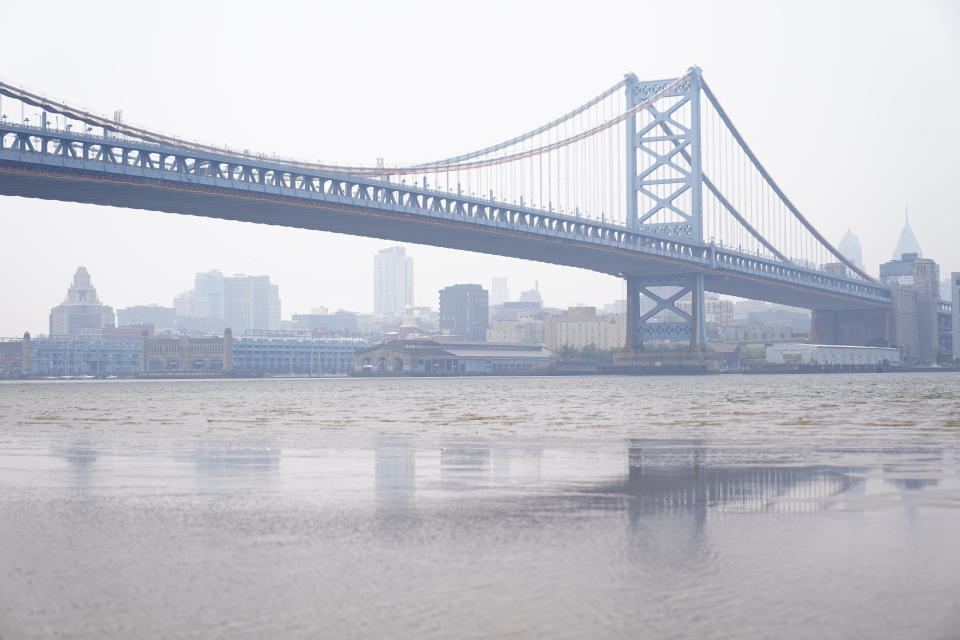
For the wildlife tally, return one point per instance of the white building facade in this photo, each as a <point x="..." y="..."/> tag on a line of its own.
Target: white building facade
<point x="251" y="303"/>
<point x="392" y="281"/>
<point x="832" y="355"/>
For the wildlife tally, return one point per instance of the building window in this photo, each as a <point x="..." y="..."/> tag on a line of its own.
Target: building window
<point x="216" y="365"/>
<point x="173" y="365"/>
<point x="197" y="365"/>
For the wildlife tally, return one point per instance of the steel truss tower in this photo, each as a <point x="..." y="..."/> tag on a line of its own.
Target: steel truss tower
<point x="665" y="198"/>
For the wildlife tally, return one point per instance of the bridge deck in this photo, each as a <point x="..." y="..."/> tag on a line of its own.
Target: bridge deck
<point x="74" y="167"/>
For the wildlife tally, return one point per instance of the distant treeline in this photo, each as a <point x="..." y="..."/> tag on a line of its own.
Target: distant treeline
<point x="589" y="353"/>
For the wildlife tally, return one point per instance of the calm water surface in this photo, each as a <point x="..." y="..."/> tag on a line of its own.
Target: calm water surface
<point x="724" y="506"/>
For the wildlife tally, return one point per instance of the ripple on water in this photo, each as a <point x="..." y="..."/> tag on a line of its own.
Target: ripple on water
<point x="727" y="506"/>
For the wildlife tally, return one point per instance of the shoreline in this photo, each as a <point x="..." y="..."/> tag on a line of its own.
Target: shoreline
<point x="566" y="372"/>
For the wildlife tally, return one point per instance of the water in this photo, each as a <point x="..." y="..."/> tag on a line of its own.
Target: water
<point x="726" y="506"/>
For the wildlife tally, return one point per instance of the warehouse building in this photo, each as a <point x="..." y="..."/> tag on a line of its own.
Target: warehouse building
<point x="426" y="357"/>
<point x="833" y="355"/>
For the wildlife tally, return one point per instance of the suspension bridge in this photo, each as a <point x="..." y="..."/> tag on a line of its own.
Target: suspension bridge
<point x="649" y="181"/>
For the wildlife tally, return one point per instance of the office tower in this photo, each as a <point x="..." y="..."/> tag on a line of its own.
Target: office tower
<point x="850" y="247"/>
<point x="159" y="317"/>
<point x="392" y="281"/>
<point x="463" y="311"/>
<point x="241" y="302"/>
<point x="499" y="293"/>
<point x="208" y="295"/>
<point x="251" y="303"/>
<point x="533" y="295"/>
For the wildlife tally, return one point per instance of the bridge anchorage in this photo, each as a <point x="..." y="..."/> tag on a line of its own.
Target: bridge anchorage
<point x="648" y="181"/>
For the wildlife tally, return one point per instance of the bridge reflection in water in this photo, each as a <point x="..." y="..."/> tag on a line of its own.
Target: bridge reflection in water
<point x="660" y="476"/>
<point x="664" y="477"/>
<point x="402" y="477"/>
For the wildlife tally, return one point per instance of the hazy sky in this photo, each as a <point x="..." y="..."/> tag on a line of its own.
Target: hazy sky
<point x="852" y="107"/>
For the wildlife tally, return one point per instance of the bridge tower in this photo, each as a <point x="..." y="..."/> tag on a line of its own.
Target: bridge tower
<point x="665" y="198"/>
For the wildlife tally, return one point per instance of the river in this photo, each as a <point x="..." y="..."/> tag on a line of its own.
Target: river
<point x="789" y="506"/>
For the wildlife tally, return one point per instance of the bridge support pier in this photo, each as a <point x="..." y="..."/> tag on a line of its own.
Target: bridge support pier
<point x="665" y="320"/>
<point x="870" y="328"/>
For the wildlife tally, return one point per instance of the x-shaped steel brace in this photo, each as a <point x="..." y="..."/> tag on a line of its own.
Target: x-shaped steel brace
<point x="668" y="303"/>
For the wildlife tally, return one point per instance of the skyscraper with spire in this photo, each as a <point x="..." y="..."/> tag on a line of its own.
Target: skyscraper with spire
<point x="907" y="243"/>
<point x="914" y="283"/>
<point x="850" y="247"/>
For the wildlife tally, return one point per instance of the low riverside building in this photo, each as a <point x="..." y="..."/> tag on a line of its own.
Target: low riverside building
<point x="95" y="355"/>
<point x="427" y="357"/>
<point x="15" y="357"/>
<point x="178" y="356"/>
<point x="833" y="355"/>
<point x="294" y="353"/>
<point x="135" y="351"/>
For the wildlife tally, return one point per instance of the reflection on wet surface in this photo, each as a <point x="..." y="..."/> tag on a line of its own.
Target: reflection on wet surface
<point x="675" y="507"/>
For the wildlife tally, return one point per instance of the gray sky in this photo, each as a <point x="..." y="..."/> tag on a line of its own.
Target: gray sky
<point x="852" y="107"/>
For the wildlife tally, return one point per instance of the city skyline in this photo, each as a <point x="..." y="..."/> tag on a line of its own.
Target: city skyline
<point x="208" y="299"/>
<point x="185" y="297"/>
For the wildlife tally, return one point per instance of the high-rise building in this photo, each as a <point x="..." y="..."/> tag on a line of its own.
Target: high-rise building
<point x="241" y="302"/>
<point x="392" y="281"/>
<point x="82" y="311"/>
<point x="915" y="289"/>
<point x="159" y="317"/>
<point x="955" y="295"/>
<point x="850" y="247"/>
<point x="499" y="292"/>
<point x="251" y="303"/>
<point x="532" y="295"/>
<point x="208" y="296"/>
<point x="464" y="311"/>
<point x="716" y="310"/>
<point x="202" y="308"/>
<point x="183" y="304"/>
<point x="907" y="242"/>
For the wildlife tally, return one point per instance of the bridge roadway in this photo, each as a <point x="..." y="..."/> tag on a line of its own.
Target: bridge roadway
<point x="64" y="165"/>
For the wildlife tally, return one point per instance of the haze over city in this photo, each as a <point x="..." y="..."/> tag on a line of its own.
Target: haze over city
<point x="484" y="320"/>
<point x="833" y="98"/>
